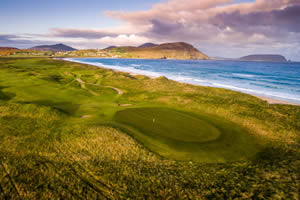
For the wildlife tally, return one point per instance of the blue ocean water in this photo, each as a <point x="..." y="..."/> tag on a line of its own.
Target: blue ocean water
<point x="276" y="80"/>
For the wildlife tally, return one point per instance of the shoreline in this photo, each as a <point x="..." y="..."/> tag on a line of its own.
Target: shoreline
<point x="269" y="100"/>
<point x="116" y="70"/>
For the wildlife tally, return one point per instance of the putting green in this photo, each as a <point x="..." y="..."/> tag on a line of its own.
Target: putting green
<point x="185" y="136"/>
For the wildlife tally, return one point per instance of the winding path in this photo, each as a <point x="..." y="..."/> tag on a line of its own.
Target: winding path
<point x="82" y="83"/>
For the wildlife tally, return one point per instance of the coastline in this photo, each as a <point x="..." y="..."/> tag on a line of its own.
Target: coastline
<point x="269" y="100"/>
<point x="149" y="75"/>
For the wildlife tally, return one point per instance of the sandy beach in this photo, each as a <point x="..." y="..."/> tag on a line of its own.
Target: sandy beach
<point x="275" y="101"/>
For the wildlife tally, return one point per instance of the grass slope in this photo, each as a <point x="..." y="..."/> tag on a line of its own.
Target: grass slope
<point x="62" y="139"/>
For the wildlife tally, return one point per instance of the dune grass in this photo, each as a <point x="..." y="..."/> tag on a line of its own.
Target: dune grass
<point x="60" y="140"/>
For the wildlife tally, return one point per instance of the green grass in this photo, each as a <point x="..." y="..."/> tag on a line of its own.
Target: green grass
<point x="62" y="139"/>
<point x="181" y="136"/>
<point x="167" y="124"/>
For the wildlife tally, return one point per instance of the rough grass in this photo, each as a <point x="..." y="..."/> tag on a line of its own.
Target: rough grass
<point x="48" y="151"/>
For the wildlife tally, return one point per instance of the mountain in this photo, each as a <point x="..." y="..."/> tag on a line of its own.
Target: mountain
<point x="55" y="47"/>
<point x="177" y="50"/>
<point x="147" y="45"/>
<point x="110" y="47"/>
<point x="264" y="57"/>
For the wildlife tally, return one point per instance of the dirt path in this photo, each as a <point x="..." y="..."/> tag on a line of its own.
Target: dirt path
<point x="115" y="89"/>
<point x="82" y="83"/>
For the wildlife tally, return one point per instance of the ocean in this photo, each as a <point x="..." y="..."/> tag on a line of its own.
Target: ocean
<point x="275" y="80"/>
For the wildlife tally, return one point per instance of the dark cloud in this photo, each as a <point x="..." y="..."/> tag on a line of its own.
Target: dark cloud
<point x="266" y="22"/>
<point x="178" y="31"/>
<point x="80" y="33"/>
<point x="13" y="41"/>
<point x="162" y="28"/>
<point x="6" y="38"/>
<point x="22" y="41"/>
<point x="288" y="18"/>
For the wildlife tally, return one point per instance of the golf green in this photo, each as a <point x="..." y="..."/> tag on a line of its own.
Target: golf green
<point x="184" y="136"/>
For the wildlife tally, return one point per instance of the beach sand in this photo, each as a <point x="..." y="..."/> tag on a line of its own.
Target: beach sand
<point x="275" y="101"/>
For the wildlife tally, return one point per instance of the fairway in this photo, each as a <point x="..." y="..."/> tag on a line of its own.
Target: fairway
<point x="183" y="136"/>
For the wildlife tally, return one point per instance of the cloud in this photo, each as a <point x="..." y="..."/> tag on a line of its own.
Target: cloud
<point x="221" y="24"/>
<point x="120" y="40"/>
<point x="197" y="11"/>
<point x="189" y="20"/>
<point x="96" y="33"/>
<point x="6" y="38"/>
<point x="172" y="10"/>
<point x="80" y="33"/>
<point x="286" y="19"/>
<point x="124" y="40"/>
<point x="29" y="40"/>
<point x="16" y="41"/>
<point x="217" y="27"/>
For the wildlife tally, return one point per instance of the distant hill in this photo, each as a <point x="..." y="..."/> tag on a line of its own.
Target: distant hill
<point x="264" y="57"/>
<point x="110" y="47"/>
<point x="55" y="47"/>
<point x="177" y="50"/>
<point x="147" y="45"/>
<point x="6" y="51"/>
<point x="8" y="48"/>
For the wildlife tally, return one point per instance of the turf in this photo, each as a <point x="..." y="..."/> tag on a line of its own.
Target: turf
<point x="62" y="138"/>
<point x="181" y="136"/>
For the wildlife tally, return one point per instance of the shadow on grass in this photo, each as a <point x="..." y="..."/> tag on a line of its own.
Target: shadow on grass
<point x="65" y="107"/>
<point x="53" y="78"/>
<point x="6" y="96"/>
<point x="273" y="155"/>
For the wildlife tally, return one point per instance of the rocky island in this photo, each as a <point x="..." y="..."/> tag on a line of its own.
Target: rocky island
<point x="264" y="58"/>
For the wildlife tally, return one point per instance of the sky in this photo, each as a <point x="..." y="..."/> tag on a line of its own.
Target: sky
<point x="223" y="28"/>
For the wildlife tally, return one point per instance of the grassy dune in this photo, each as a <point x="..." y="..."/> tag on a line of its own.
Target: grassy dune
<point x="67" y="133"/>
